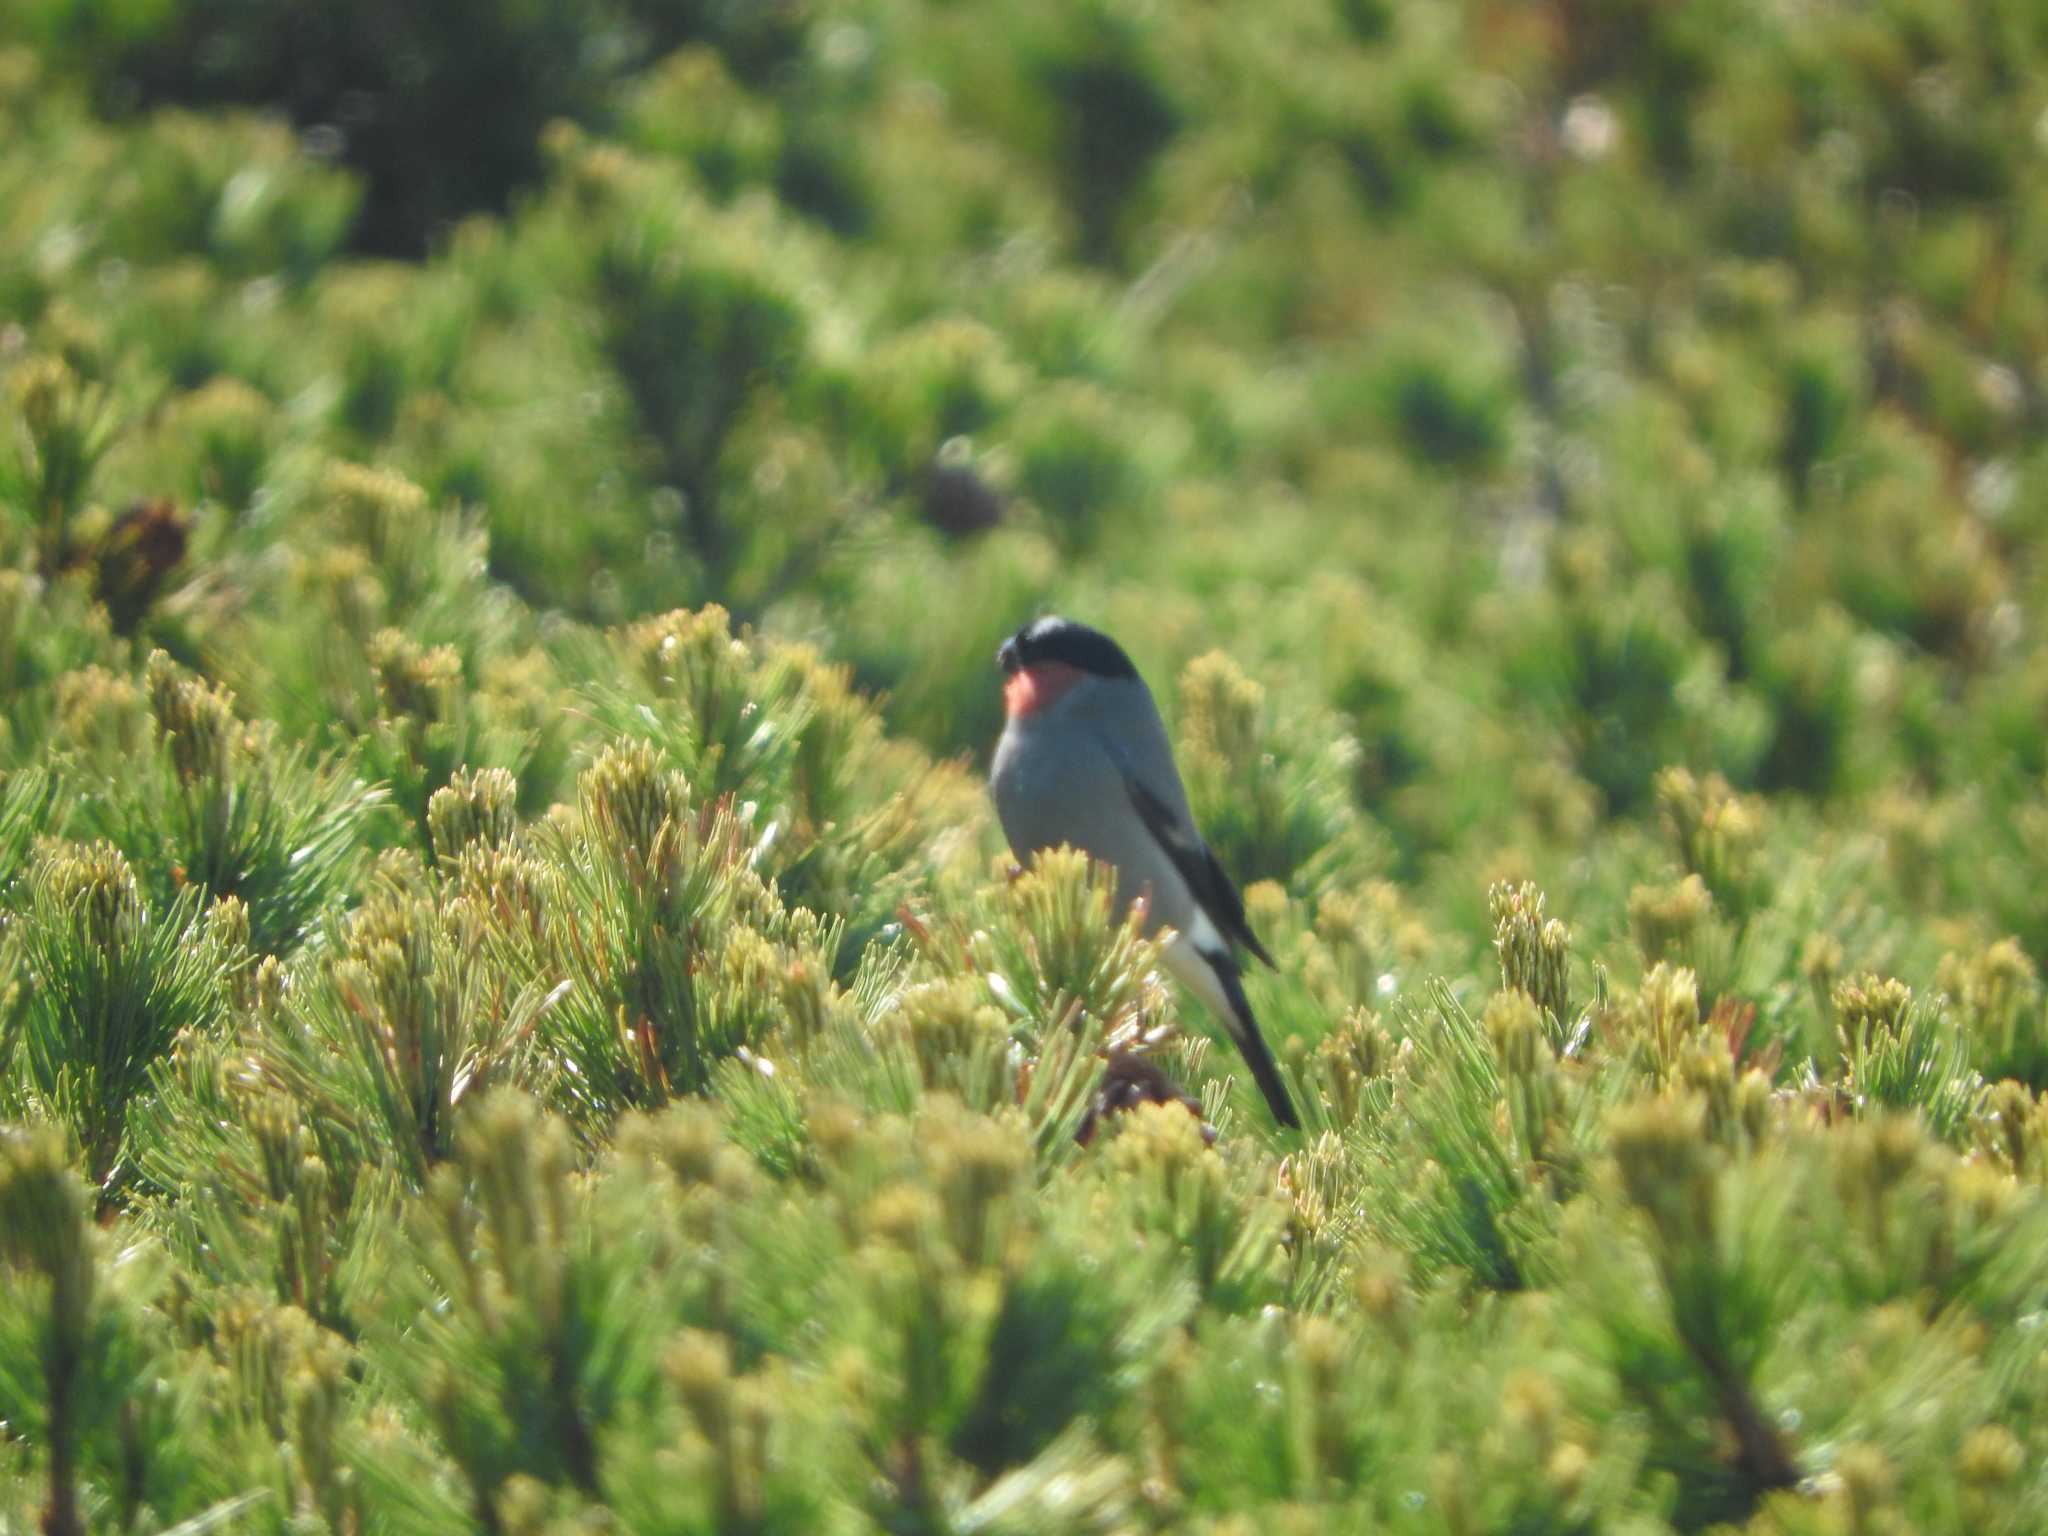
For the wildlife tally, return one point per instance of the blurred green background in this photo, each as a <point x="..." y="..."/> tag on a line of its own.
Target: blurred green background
<point x="1530" y="396"/>
<point x="1595" y="443"/>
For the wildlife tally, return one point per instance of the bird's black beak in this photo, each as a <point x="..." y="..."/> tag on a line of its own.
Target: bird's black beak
<point x="1008" y="658"/>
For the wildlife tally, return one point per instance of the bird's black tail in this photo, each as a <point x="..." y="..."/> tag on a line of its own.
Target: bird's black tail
<point x="1244" y="1029"/>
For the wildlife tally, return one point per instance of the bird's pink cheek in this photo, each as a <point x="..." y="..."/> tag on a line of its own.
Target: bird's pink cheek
<point x="1032" y="688"/>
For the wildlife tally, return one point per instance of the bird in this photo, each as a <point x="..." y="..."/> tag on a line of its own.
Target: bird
<point x="1084" y="760"/>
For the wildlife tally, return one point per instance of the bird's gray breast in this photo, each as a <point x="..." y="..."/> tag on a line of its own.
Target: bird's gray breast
<point x="1055" y="782"/>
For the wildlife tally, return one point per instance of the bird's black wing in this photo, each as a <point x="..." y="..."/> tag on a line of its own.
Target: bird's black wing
<point x="1257" y="1054"/>
<point x="1207" y="882"/>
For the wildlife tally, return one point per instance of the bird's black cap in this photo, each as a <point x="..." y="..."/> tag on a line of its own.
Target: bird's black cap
<point x="1055" y="639"/>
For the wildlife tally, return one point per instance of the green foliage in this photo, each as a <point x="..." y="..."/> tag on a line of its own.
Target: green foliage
<point x="199" y="800"/>
<point x="679" y="955"/>
<point x="1274" y="808"/>
<point x="27" y="798"/>
<point x="845" y="819"/>
<point x="1116" y="114"/>
<point x="108" y="982"/>
<point x="43" y="1203"/>
<point x="541" y="1312"/>
<point x="1721" y="1251"/>
<point x="695" y="329"/>
<point x="1997" y="999"/>
<point x="403" y="80"/>
<point x="400" y="1020"/>
<point x="246" y="197"/>
<point x="90" y="1375"/>
<point x="1062" y="954"/>
<point x="1900" y="1053"/>
<point x="427" y="734"/>
<point x="63" y="427"/>
<point x="1494" y="1116"/>
<point x="518" y="1013"/>
<point x="1535" y="953"/>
